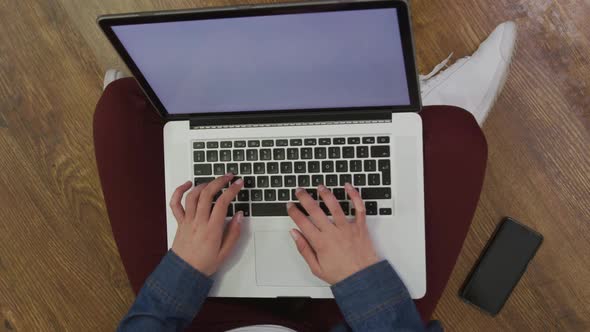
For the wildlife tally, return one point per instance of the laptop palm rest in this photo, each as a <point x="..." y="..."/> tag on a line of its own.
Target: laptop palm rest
<point x="278" y="263"/>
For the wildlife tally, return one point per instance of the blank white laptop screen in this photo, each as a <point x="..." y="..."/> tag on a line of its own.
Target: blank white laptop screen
<point x="281" y="62"/>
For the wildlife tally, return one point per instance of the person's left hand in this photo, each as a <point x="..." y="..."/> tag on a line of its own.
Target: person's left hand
<point x="200" y="239"/>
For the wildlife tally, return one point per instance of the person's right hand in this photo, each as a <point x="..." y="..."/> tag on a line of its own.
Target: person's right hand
<point x="202" y="240"/>
<point x="333" y="250"/>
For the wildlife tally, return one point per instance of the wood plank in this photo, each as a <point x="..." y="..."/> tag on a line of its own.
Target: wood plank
<point x="538" y="163"/>
<point x="59" y="264"/>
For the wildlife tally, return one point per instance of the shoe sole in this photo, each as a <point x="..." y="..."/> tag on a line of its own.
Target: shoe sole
<point x="110" y="76"/>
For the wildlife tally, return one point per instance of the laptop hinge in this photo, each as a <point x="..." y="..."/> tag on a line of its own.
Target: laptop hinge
<point x="293" y="119"/>
<point x="246" y="125"/>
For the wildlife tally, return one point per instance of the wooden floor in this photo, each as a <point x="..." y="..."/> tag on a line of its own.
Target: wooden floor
<point x="59" y="266"/>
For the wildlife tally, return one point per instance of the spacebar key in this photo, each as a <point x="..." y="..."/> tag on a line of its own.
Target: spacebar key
<point x="269" y="209"/>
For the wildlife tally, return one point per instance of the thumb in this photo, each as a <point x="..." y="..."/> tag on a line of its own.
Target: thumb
<point x="306" y="251"/>
<point x="231" y="235"/>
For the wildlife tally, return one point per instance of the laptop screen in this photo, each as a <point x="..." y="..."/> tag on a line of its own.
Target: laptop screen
<point x="335" y="59"/>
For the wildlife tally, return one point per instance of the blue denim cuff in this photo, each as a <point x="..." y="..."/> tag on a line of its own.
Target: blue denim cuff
<point x="179" y="287"/>
<point x="369" y="292"/>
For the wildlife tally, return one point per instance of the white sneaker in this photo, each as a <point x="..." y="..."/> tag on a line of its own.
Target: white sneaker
<point x="474" y="82"/>
<point x="110" y="76"/>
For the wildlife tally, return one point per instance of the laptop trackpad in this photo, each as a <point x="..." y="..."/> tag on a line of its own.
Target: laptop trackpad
<point x="278" y="263"/>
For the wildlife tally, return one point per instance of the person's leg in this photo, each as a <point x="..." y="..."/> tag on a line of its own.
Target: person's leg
<point x="455" y="156"/>
<point x="128" y="143"/>
<point x="129" y="152"/>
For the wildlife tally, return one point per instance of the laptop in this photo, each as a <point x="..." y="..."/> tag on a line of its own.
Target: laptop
<point x="286" y="96"/>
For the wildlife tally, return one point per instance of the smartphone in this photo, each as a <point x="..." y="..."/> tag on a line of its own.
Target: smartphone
<point x="500" y="266"/>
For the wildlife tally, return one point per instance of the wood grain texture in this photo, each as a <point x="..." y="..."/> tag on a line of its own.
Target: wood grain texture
<point x="59" y="266"/>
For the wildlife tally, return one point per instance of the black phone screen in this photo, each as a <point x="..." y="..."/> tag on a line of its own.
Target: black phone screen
<point x="501" y="265"/>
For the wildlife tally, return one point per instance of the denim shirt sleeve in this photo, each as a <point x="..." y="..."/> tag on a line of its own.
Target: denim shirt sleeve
<point x="375" y="299"/>
<point x="169" y="299"/>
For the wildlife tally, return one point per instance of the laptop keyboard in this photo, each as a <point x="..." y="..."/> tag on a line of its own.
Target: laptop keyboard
<point x="273" y="168"/>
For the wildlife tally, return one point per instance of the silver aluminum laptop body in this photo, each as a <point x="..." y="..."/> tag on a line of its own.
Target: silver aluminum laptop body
<point x="266" y="263"/>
